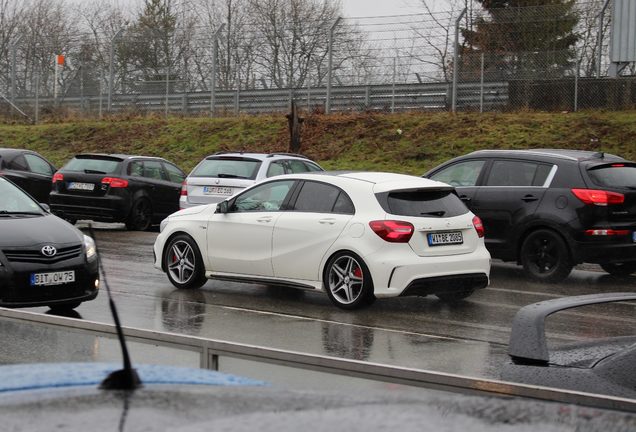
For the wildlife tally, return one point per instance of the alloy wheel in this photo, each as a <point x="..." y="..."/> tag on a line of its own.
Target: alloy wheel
<point x="182" y="262"/>
<point x="346" y="279"/>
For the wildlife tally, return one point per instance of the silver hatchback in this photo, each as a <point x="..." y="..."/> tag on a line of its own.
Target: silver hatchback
<point x="221" y="175"/>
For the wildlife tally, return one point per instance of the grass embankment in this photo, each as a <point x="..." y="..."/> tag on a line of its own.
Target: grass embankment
<point x="408" y="143"/>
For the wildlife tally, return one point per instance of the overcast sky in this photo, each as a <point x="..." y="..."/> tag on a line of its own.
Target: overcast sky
<point x="365" y="8"/>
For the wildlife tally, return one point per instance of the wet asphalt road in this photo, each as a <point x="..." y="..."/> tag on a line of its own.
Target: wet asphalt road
<point x="467" y="338"/>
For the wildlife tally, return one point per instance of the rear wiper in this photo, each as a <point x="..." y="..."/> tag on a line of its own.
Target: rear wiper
<point x="90" y="171"/>
<point x="230" y="176"/>
<point x="434" y="213"/>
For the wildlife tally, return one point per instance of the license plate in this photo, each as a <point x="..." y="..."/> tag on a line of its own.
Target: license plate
<point x="53" y="278"/>
<point x="445" y="238"/>
<point x="81" y="186"/>
<point x="217" y="190"/>
<point x="634" y="236"/>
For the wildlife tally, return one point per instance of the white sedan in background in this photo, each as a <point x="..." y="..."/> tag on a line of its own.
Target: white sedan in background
<point x="357" y="236"/>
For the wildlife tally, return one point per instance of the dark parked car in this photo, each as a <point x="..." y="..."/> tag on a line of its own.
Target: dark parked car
<point x="29" y="170"/>
<point x="43" y="259"/>
<point x="550" y="209"/>
<point x="137" y="190"/>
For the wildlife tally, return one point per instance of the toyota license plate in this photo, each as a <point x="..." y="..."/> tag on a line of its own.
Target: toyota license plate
<point x="217" y="190"/>
<point x="53" y="278"/>
<point x="81" y="186"/>
<point x="445" y="238"/>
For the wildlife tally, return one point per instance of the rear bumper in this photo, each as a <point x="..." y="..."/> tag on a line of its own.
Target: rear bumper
<point x="102" y="209"/>
<point x="602" y="251"/>
<point x="414" y="275"/>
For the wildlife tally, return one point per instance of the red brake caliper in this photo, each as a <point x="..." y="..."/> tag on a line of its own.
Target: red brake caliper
<point x="358" y="272"/>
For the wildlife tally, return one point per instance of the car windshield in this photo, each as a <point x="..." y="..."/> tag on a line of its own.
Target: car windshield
<point x="614" y="175"/>
<point x="14" y="201"/>
<point x="93" y="165"/>
<point x="235" y="167"/>
<point x="426" y="203"/>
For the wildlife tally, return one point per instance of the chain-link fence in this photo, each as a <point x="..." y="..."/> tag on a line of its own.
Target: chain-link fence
<point x="540" y="58"/>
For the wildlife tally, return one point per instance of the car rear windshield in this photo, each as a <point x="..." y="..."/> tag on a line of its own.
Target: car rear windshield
<point x="228" y="167"/>
<point x="93" y="165"/>
<point x="614" y="175"/>
<point x="422" y="203"/>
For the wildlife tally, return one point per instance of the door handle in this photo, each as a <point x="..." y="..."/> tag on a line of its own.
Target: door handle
<point x="329" y="221"/>
<point x="529" y="198"/>
<point x="465" y="198"/>
<point x="264" y="219"/>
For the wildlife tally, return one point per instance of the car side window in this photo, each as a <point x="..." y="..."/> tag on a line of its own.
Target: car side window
<point x="266" y="197"/>
<point x="297" y="166"/>
<point x="18" y="163"/>
<point x="460" y="174"/>
<point x="517" y="173"/>
<point x="136" y="168"/>
<point x="276" y="168"/>
<point x="174" y="173"/>
<point x="154" y="170"/>
<point x="317" y="197"/>
<point x="312" y="167"/>
<point x="38" y="165"/>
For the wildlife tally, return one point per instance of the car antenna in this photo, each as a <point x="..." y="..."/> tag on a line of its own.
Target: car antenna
<point x="126" y="378"/>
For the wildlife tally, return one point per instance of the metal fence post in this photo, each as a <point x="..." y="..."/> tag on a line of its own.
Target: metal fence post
<point x="167" y="108"/>
<point x="215" y="59"/>
<point x="576" y="86"/>
<point x="393" y="86"/>
<point x="111" y="69"/>
<point x="599" y="38"/>
<point x="101" y="92"/>
<point x="330" y="65"/>
<point x="481" y="85"/>
<point x="37" y="98"/>
<point x="456" y="61"/>
<point x="237" y="100"/>
<point x="13" y="67"/>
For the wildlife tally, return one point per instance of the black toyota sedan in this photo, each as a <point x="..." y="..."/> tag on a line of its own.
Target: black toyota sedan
<point x="44" y="261"/>
<point x="137" y="190"/>
<point x="29" y="170"/>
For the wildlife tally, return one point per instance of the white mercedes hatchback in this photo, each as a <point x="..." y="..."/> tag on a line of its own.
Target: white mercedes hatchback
<point x="357" y="236"/>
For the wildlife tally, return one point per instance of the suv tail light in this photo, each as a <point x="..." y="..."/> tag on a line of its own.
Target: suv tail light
<point x="607" y="232"/>
<point x="479" y="226"/>
<point x="393" y="231"/>
<point x="115" y="182"/>
<point x="184" y="188"/>
<point x="57" y="177"/>
<point x="599" y="197"/>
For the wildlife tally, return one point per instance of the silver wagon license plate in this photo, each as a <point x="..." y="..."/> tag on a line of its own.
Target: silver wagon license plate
<point x="217" y="190"/>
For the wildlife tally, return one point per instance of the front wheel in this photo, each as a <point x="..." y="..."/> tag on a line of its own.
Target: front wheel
<point x="545" y="256"/>
<point x="348" y="282"/>
<point x="183" y="263"/>
<point x="140" y="217"/>
<point x="620" y="269"/>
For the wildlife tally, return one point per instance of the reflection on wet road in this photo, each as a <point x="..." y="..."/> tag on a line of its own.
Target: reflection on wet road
<point x="467" y="338"/>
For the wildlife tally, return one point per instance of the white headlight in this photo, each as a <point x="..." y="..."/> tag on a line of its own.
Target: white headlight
<point x="89" y="246"/>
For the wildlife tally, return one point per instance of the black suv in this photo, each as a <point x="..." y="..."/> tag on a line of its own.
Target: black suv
<point x="137" y="190"/>
<point x="550" y="209"/>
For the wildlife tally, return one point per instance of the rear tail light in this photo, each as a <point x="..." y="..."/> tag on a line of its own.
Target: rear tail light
<point x="393" y="231"/>
<point x="57" y="177"/>
<point x="479" y="226"/>
<point x="607" y="232"/>
<point x="599" y="197"/>
<point x="184" y="188"/>
<point x="115" y="182"/>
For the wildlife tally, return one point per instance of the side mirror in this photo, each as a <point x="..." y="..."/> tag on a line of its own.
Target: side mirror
<point x="45" y="207"/>
<point x="221" y="207"/>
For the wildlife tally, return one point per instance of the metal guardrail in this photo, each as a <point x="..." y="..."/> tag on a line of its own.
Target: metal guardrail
<point x="381" y="98"/>
<point x="210" y="350"/>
